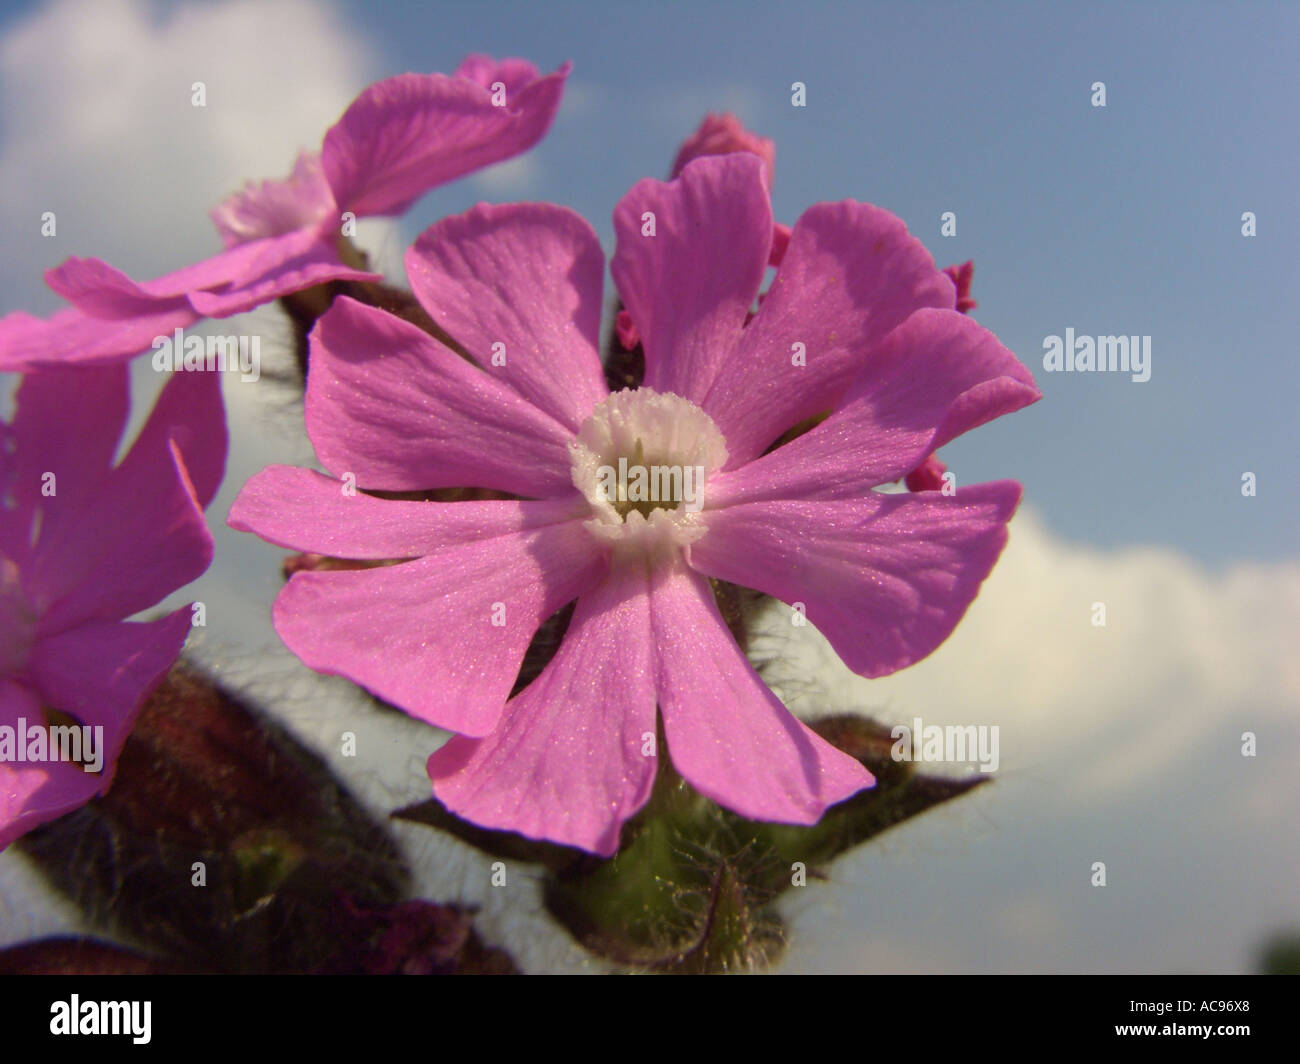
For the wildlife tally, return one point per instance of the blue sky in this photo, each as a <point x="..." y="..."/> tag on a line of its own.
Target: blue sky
<point x="1119" y="743"/>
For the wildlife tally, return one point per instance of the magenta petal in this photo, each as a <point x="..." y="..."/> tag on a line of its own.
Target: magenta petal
<point x="567" y="762"/>
<point x="283" y="265"/>
<point x="70" y="337"/>
<point x="519" y="288"/>
<point x="228" y="283"/>
<point x="67" y="422"/>
<point x="35" y="794"/>
<point x="421" y="634"/>
<point x="132" y="542"/>
<point x="307" y="511"/>
<point x="100" y="672"/>
<point x="392" y="406"/>
<point x="115" y="318"/>
<point x="484" y="70"/>
<point x="103" y="291"/>
<point x="190" y="412"/>
<point x="100" y="675"/>
<point x="408" y="134"/>
<point x="885" y="578"/>
<point x="937" y="375"/>
<point x="689" y="286"/>
<point x="728" y="734"/>
<point x="850" y="274"/>
<point x="19" y="332"/>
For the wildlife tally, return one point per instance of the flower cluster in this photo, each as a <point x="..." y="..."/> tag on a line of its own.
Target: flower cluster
<point x="762" y="423"/>
<point x="85" y="544"/>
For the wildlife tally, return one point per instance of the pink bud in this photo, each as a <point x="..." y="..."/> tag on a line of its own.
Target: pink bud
<point x="720" y="135"/>
<point x="961" y="277"/>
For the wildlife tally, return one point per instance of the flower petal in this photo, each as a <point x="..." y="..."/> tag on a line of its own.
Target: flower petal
<point x="527" y="277"/>
<point x="67" y="422"/>
<point x="885" y="578"/>
<point x="307" y="511"/>
<point x="401" y="412"/>
<point x="103" y="291"/>
<point x="937" y="375"/>
<point x="484" y="70"/>
<point x="70" y="337"/>
<point x="189" y="411"/>
<point x="850" y="274"/>
<point x="565" y="763"/>
<point x="728" y="734"/>
<point x="421" y="635"/>
<point x="100" y="674"/>
<point x="227" y="283"/>
<point x="408" y="134"/>
<point x="283" y="265"/>
<point x="121" y="548"/>
<point x="689" y="286"/>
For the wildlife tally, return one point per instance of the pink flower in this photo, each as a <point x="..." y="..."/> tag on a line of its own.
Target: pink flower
<point x="397" y="140"/>
<point x="884" y="577"/>
<point x="85" y="544"/>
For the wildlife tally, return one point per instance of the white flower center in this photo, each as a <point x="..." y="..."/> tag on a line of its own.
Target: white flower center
<point x="642" y="460"/>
